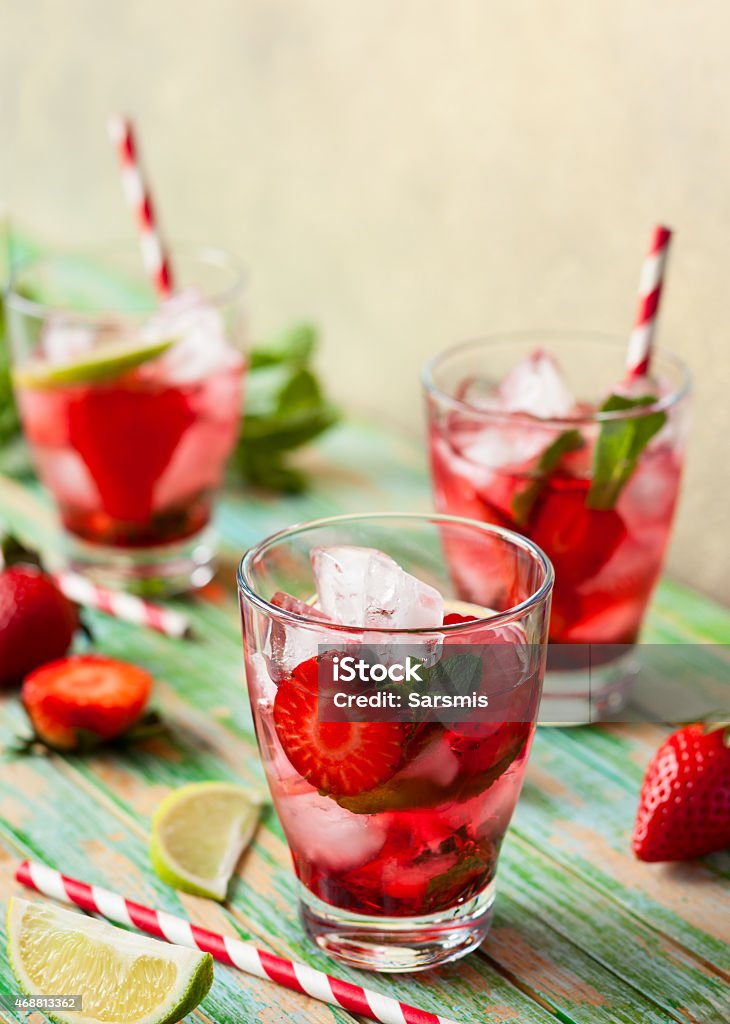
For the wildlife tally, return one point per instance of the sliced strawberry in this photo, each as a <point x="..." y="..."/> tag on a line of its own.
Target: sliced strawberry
<point x="338" y="758"/>
<point x="77" y="701"/>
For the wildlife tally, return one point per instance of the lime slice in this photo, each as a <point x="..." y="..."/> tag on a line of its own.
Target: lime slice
<point x="198" y="835"/>
<point x="98" y="364"/>
<point x="122" y="977"/>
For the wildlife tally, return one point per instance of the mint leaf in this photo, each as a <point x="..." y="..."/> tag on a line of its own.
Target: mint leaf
<point x="465" y="878"/>
<point x="285" y="408"/>
<point x="620" y="443"/>
<point x="524" y="499"/>
<point x="295" y="346"/>
<point x="453" y="675"/>
<point x="456" y="674"/>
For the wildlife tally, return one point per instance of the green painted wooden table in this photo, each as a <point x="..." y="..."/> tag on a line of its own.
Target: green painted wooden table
<point x="582" y="931"/>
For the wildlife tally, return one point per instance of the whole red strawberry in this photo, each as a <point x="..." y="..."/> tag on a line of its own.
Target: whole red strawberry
<point x="37" y="622"/>
<point x="78" y="702"/>
<point x="684" y="806"/>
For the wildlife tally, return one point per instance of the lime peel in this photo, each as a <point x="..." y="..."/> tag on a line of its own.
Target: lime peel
<point x="122" y="977"/>
<point x="99" y="364"/>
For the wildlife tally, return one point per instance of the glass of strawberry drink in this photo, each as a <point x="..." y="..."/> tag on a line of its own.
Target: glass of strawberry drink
<point x="593" y="480"/>
<point x="130" y="406"/>
<point x="394" y="820"/>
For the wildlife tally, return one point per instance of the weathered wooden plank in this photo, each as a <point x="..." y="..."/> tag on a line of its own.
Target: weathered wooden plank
<point x="202" y="731"/>
<point x="646" y="960"/>
<point x="54" y="821"/>
<point x="264" y="893"/>
<point x="573" y="984"/>
<point x="582" y="817"/>
<point x="623" y="752"/>
<point x="106" y="843"/>
<point x="690" y="615"/>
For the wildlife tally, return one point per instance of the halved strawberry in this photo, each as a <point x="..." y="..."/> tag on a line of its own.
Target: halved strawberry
<point x="338" y="758"/>
<point x="80" y="701"/>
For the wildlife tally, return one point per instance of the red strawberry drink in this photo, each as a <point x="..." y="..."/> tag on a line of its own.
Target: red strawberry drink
<point x="529" y="433"/>
<point x="394" y="824"/>
<point x="130" y="417"/>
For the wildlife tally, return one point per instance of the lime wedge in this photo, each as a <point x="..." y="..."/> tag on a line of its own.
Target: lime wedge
<point x="122" y="978"/>
<point x="198" y="835"/>
<point x="102" y="363"/>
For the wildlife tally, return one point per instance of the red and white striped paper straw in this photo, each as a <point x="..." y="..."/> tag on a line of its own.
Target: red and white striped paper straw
<point x="230" y="951"/>
<point x="120" y="605"/>
<point x="641" y="341"/>
<point x="139" y="199"/>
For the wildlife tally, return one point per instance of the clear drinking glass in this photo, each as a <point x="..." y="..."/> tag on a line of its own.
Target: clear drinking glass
<point x="606" y="544"/>
<point x="396" y="852"/>
<point x="130" y="406"/>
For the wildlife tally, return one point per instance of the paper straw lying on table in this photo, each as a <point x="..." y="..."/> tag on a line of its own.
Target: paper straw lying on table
<point x="641" y="341"/>
<point x="127" y="607"/>
<point x="139" y="199"/>
<point x="243" y="955"/>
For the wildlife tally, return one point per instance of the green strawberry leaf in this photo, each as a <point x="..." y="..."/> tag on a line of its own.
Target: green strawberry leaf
<point x="151" y="725"/>
<point x="620" y="443"/>
<point x="524" y="499"/>
<point x="14" y="552"/>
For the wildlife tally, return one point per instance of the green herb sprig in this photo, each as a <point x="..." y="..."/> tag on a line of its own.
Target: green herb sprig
<point x="525" y="498"/>
<point x="620" y="443"/>
<point x="285" y="407"/>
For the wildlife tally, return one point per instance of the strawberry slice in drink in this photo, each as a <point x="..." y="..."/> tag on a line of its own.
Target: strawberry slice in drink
<point x="127" y="436"/>
<point x="578" y="540"/>
<point x="337" y="758"/>
<point x="490" y="746"/>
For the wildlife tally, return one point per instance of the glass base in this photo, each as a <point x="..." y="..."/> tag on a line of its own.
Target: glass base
<point x="580" y="696"/>
<point x="152" y="572"/>
<point x="397" y="944"/>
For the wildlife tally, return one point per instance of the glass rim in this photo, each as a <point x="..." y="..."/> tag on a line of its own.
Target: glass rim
<point x="246" y="587"/>
<point x="212" y="255"/>
<point x="614" y="341"/>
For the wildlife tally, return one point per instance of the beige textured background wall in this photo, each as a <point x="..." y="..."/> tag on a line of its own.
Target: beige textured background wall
<point x="408" y="173"/>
